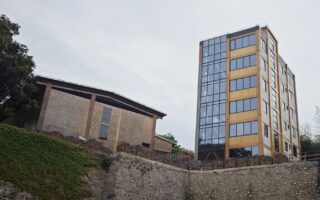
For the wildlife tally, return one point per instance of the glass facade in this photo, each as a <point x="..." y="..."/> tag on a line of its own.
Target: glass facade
<point x="212" y="117"/>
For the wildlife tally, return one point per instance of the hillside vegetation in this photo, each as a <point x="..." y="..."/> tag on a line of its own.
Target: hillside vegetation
<point x="45" y="166"/>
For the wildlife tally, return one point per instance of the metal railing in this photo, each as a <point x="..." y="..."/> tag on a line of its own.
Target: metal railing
<point x="305" y="156"/>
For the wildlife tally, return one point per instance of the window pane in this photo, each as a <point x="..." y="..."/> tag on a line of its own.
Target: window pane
<point x="223" y="108"/>
<point x="222" y="131"/>
<point x="246" y="105"/>
<point x="233" y="107"/>
<point x="233" y="64"/>
<point x="253" y="103"/>
<point x="253" y="60"/>
<point x="205" y="51"/>
<point x="239" y="43"/>
<point x="204" y="91"/>
<point x="209" y="110"/>
<point x="246" y="82"/>
<point x="247" y="127"/>
<point x="204" y="70"/>
<point x="215" y="132"/>
<point x="211" y="50"/>
<point x="216" y="88"/>
<point x="252" y="39"/>
<point x="255" y="150"/>
<point x="239" y="106"/>
<point x="240" y="129"/>
<point x="232" y="45"/>
<point x="203" y="111"/>
<point x="223" y="87"/>
<point x="210" y="89"/>
<point x="217" y="48"/>
<point x="245" y="41"/>
<point x="216" y="109"/>
<point x="233" y="130"/>
<point x="223" y="47"/>
<point x="208" y="133"/>
<point x="239" y="84"/>
<point x="253" y="81"/>
<point x="233" y="85"/>
<point x="210" y="69"/>
<point x="104" y="129"/>
<point x="239" y="63"/>
<point x="223" y="66"/>
<point x="222" y="96"/>
<point x="254" y="127"/>
<point x="246" y="61"/>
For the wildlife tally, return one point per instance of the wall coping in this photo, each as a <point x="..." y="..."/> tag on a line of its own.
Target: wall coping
<point x="152" y="162"/>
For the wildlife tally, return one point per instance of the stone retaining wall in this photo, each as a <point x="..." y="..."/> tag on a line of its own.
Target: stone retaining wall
<point x="132" y="177"/>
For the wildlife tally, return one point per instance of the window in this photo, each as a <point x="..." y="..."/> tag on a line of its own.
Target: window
<point x="243" y="42"/>
<point x="274" y="98"/>
<point x="243" y="83"/>
<point x="295" y="151"/>
<point x="275" y="119"/>
<point x="210" y="114"/>
<point x="265" y="107"/>
<point x="244" y="152"/>
<point x="286" y="146"/>
<point x="273" y="79"/>
<point x="263" y="45"/>
<point x="105" y="122"/>
<point x="264" y="64"/>
<point x="293" y="132"/>
<point x="284" y="126"/>
<point x="284" y="107"/>
<point x="246" y="128"/>
<point x="243" y="105"/>
<point x="264" y="85"/>
<point x="266" y="130"/>
<point x="276" y="141"/>
<point x="243" y="62"/>
<point x="213" y="135"/>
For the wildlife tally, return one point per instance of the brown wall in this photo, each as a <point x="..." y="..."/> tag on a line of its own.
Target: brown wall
<point x="68" y="114"/>
<point x="162" y="145"/>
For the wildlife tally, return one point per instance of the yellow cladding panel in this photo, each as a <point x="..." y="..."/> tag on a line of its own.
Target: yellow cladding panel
<point x="245" y="72"/>
<point x="244" y="116"/>
<point x="243" y="94"/>
<point x="243" y="52"/>
<point x="243" y="141"/>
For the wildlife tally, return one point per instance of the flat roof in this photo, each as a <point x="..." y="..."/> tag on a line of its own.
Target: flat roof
<point x="42" y="80"/>
<point x="166" y="139"/>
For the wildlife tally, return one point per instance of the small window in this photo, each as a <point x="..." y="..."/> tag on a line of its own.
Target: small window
<point x="252" y="40"/>
<point x="105" y="122"/>
<point x="145" y="145"/>
<point x="253" y="103"/>
<point x="295" y="151"/>
<point x="253" y="81"/>
<point x="254" y="127"/>
<point x="233" y="107"/>
<point x="239" y="106"/>
<point x="247" y="128"/>
<point x="266" y="130"/>
<point x="233" y="85"/>
<point x="239" y="84"/>
<point x="240" y="129"/>
<point x="286" y="146"/>
<point x="233" y="130"/>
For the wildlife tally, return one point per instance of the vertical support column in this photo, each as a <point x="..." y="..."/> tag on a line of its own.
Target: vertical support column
<point x="117" y="133"/>
<point x="227" y="129"/>
<point x="90" y="114"/>
<point x="153" y="133"/>
<point x="297" y="118"/>
<point x="44" y="107"/>
<point x="259" y="96"/>
<point x="196" y="147"/>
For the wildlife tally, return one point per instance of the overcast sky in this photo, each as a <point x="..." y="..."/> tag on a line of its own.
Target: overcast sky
<point x="148" y="50"/>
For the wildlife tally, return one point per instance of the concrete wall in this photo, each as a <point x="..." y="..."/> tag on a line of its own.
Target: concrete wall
<point x="68" y="114"/>
<point x="162" y="145"/>
<point x="131" y="177"/>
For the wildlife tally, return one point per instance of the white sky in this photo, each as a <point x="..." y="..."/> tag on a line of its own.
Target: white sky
<point x="148" y="50"/>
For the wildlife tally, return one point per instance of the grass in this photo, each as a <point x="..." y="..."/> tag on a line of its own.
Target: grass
<point x="45" y="166"/>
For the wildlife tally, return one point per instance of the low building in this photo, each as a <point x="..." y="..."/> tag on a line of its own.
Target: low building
<point x="77" y="110"/>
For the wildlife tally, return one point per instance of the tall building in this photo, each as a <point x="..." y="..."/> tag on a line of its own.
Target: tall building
<point x="246" y="98"/>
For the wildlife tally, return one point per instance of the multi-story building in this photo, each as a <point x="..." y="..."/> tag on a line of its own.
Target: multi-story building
<point x="247" y="102"/>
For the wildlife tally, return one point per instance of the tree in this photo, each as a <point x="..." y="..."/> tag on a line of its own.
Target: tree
<point x="16" y="71"/>
<point x="307" y="144"/>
